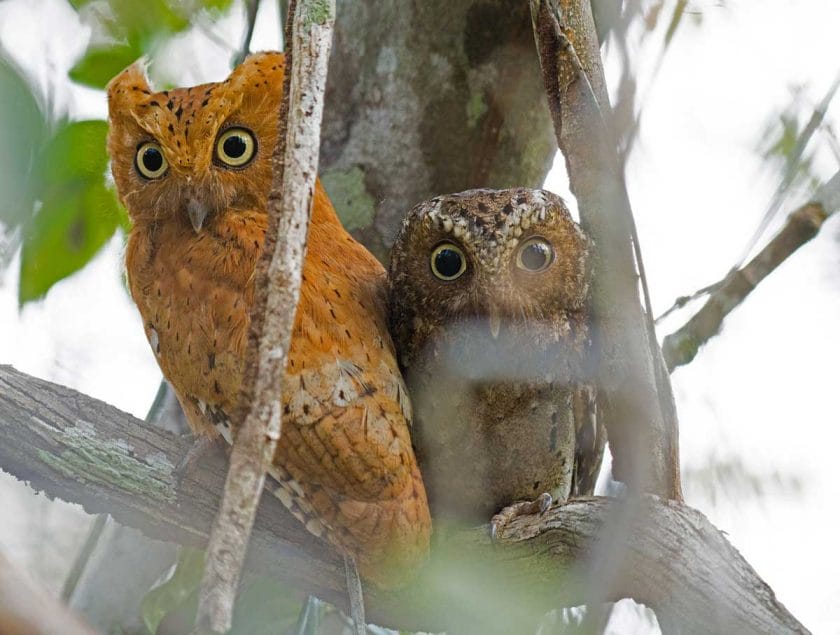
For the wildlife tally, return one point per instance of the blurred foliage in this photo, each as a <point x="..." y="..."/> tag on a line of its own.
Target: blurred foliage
<point x="638" y="29"/>
<point x="783" y="143"/>
<point x="169" y="608"/>
<point x="22" y="128"/>
<point x="57" y="203"/>
<point x="125" y="30"/>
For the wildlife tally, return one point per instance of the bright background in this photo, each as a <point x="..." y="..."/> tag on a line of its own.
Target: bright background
<point x="759" y="415"/>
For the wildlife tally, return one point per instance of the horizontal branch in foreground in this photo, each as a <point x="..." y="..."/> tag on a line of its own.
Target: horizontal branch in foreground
<point x="667" y="555"/>
<point x="682" y="346"/>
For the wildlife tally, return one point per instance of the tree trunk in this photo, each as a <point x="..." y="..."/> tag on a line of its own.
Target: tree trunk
<point x="426" y="98"/>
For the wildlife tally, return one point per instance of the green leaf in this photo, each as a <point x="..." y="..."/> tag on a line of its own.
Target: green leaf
<point x="99" y="65"/>
<point x="22" y="131"/>
<point x="76" y="152"/>
<point x="265" y="606"/>
<point x="178" y="589"/>
<point x="71" y="226"/>
<point x="218" y="6"/>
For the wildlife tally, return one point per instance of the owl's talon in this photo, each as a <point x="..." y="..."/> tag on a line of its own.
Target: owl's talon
<point x="539" y="505"/>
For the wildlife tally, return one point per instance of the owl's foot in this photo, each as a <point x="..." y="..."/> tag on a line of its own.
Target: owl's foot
<point x="203" y="447"/>
<point x="537" y="506"/>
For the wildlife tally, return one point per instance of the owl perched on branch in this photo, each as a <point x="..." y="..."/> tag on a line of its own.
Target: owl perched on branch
<point x="489" y="312"/>
<point x="193" y="168"/>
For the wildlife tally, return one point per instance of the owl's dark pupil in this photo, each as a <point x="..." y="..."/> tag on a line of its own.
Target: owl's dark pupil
<point x="448" y="262"/>
<point x="152" y="159"/>
<point x="535" y="256"/>
<point x="234" y="146"/>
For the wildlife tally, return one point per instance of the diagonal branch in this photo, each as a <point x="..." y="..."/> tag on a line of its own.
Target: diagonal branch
<point x="681" y="346"/>
<point x="668" y="555"/>
<point x="277" y="288"/>
<point x="639" y="412"/>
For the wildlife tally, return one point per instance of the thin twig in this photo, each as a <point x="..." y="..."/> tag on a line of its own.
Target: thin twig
<point x="641" y="421"/>
<point x="277" y="288"/>
<point x="680" y="347"/>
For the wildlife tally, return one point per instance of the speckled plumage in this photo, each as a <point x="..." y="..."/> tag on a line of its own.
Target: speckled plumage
<point x="344" y="465"/>
<point x="496" y="360"/>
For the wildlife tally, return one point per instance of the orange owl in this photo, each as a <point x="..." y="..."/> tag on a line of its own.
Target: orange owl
<point x="193" y="168"/>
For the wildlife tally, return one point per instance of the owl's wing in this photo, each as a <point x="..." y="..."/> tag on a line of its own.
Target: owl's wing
<point x="347" y="430"/>
<point x="590" y="438"/>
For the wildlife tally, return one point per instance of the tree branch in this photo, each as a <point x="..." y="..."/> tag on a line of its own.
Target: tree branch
<point x="668" y="556"/>
<point x="277" y="288"/>
<point x="681" y="346"/>
<point x="639" y="411"/>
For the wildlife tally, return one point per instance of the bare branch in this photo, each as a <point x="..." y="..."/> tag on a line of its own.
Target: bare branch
<point x="681" y="346"/>
<point x="278" y="277"/>
<point x="639" y="412"/>
<point x="669" y="556"/>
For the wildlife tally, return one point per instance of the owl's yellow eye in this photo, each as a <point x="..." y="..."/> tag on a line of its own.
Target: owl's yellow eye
<point x="150" y="161"/>
<point x="448" y="262"/>
<point x="535" y="255"/>
<point x="235" y="147"/>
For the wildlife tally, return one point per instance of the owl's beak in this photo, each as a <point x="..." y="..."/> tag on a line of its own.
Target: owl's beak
<point x="197" y="211"/>
<point x="495" y="322"/>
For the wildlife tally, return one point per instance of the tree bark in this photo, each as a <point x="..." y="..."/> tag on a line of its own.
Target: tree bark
<point x="668" y="555"/>
<point x="426" y="98"/>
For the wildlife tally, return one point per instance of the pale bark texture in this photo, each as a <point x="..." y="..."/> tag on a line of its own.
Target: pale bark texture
<point x="428" y="98"/>
<point x="667" y="555"/>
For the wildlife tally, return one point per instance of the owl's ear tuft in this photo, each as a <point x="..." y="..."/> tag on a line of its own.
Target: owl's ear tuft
<point x="259" y="67"/>
<point x="129" y="86"/>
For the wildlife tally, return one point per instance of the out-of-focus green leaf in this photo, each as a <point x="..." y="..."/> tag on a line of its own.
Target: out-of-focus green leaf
<point x="176" y="590"/>
<point x="75" y="152"/>
<point x="217" y="5"/>
<point x="78" y="4"/>
<point x="99" y="65"/>
<point x="78" y="213"/>
<point x="22" y="131"/>
<point x="136" y="28"/>
<point x="265" y="606"/>
<point x="71" y="226"/>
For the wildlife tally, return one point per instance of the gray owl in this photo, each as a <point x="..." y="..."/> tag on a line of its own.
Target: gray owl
<point x="489" y="314"/>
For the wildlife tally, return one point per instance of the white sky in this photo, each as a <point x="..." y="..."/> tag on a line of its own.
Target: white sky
<point x="763" y="391"/>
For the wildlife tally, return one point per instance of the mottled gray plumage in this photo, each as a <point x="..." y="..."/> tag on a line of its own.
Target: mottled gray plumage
<point x="496" y="357"/>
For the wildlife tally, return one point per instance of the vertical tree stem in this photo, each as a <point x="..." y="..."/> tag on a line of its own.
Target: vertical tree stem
<point x="638" y="405"/>
<point x="278" y="279"/>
